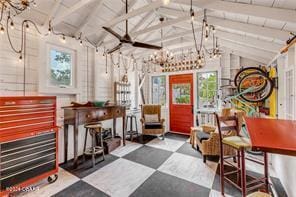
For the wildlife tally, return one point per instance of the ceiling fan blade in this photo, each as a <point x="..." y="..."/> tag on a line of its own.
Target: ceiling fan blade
<point x="112" y="32"/>
<point x="147" y="46"/>
<point x="115" y="48"/>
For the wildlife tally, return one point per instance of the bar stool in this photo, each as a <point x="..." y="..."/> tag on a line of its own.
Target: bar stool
<point x="240" y="144"/>
<point x="93" y="129"/>
<point x="131" y="131"/>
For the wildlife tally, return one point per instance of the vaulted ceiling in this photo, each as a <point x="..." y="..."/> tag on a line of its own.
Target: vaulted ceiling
<point x="255" y="29"/>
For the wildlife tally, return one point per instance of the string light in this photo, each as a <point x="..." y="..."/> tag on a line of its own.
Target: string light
<point x="11" y="25"/>
<point x="80" y="43"/>
<point x="27" y="27"/>
<point x="2" y="30"/>
<point x="213" y="29"/>
<point x="192" y="14"/>
<point x="20" y="58"/>
<point x="63" y="39"/>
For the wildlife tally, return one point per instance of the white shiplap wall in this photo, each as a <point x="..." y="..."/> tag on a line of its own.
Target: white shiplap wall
<point x="12" y="75"/>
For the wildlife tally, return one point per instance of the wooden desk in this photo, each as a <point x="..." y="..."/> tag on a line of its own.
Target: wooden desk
<point x="272" y="136"/>
<point x="80" y="115"/>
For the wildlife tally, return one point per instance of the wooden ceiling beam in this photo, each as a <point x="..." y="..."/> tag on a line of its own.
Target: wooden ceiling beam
<point x="238" y="26"/>
<point x="71" y="10"/>
<point x="90" y="16"/>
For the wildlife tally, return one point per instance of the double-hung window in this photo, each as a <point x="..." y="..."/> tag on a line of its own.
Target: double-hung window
<point x="207" y="88"/>
<point x="158" y="90"/>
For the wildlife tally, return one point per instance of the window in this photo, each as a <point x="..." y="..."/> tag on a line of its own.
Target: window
<point x="61" y="64"/>
<point x="181" y="93"/>
<point x="158" y="90"/>
<point x="207" y="87"/>
<point x="58" y="71"/>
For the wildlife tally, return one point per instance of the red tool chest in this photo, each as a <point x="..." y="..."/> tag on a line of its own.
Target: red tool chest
<point x="28" y="141"/>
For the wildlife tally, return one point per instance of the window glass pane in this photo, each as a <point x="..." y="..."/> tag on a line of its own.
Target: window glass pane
<point x="158" y="90"/>
<point x="207" y="89"/>
<point x="181" y="93"/>
<point x="60" y="68"/>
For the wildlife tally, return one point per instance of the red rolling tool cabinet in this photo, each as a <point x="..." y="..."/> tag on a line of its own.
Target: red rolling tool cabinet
<point x="28" y="142"/>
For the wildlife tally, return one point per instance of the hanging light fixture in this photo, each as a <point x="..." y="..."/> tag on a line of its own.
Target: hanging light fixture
<point x="162" y="56"/>
<point x="196" y="60"/>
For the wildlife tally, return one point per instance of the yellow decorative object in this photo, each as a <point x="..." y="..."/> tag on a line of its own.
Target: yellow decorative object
<point x="273" y="96"/>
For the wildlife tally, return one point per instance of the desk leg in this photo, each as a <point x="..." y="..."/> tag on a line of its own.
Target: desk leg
<point x="75" y="163"/>
<point x="114" y="127"/>
<point x="266" y="171"/>
<point x="123" y="129"/>
<point x="66" y="127"/>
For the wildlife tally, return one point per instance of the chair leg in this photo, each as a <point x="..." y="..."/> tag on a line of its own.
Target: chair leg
<point x="136" y="124"/>
<point x="222" y="171"/>
<point x="266" y="171"/>
<point x="239" y="168"/>
<point x="205" y="159"/>
<point x="84" y="146"/>
<point x="102" y="145"/>
<point x="243" y="174"/>
<point x="93" y="150"/>
<point x="234" y="159"/>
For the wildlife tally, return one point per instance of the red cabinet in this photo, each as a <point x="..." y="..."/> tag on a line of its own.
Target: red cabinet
<point x="28" y="141"/>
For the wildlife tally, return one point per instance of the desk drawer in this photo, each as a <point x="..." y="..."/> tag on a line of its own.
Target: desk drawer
<point x="105" y="114"/>
<point x="118" y="112"/>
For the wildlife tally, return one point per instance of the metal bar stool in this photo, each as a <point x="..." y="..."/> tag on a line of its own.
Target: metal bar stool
<point x="94" y="129"/>
<point x="240" y="144"/>
<point x="131" y="130"/>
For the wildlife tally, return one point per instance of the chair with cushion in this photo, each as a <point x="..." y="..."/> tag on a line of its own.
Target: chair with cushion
<point x="152" y="123"/>
<point x="208" y="143"/>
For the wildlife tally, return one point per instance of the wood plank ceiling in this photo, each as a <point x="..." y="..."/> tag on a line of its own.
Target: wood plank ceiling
<point x="253" y="28"/>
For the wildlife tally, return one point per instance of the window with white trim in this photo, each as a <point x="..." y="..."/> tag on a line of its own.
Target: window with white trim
<point x="207" y="88"/>
<point x="158" y="90"/>
<point x="61" y="64"/>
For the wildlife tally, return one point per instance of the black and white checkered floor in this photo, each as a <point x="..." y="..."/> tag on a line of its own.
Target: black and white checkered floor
<point x="154" y="168"/>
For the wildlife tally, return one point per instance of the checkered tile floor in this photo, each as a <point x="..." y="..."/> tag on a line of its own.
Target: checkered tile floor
<point x="155" y="168"/>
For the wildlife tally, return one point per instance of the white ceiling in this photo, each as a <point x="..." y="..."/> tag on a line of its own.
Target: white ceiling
<point x="250" y="20"/>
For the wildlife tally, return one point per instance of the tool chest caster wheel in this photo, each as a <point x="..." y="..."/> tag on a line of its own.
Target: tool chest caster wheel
<point x="52" y="178"/>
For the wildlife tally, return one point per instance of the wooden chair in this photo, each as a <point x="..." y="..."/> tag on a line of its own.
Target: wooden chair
<point x="152" y="128"/>
<point x="240" y="144"/>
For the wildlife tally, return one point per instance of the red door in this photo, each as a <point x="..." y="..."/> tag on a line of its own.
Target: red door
<point x="181" y="103"/>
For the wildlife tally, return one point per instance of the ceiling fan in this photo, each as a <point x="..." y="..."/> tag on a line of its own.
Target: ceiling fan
<point x="126" y="39"/>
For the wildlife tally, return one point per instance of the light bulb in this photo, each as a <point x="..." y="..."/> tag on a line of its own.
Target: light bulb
<point x="2" y="30"/>
<point x="63" y="39"/>
<point x="11" y="25"/>
<point x="206" y="38"/>
<point x="80" y="42"/>
<point x="20" y="58"/>
<point x="27" y="27"/>
<point x="207" y="27"/>
<point x="165" y="2"/>
<point x="97" y="50"/>
<point x="192" y="15"/>
<point x="49" y="30"/>
<point x="34" y="4"/>
<point x="214" y="30"/>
